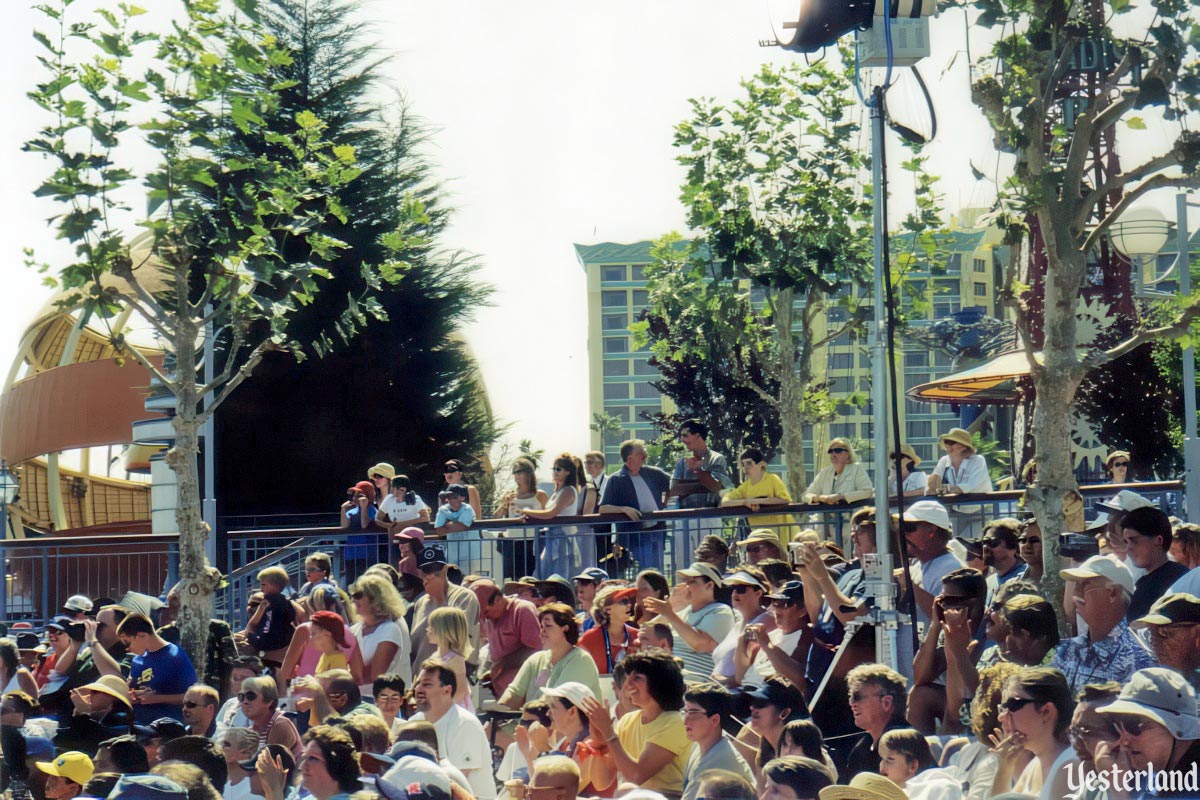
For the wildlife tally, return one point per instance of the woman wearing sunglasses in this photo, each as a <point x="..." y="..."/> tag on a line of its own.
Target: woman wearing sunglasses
<point x="1116" y="467"/>
<point x="1034" y="717"/>
<point x="259" y="699"/>
<point x="453" y="472"/>
<point x="843" y="481"/>
<point x="613" y="635"/>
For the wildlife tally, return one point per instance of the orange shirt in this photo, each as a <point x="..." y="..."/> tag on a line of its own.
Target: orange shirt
<point x="593" y="643"/>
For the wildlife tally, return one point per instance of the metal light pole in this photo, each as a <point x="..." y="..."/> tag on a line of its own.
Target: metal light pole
<point x="1191" y="442"/>
<point x="8" y="494"/>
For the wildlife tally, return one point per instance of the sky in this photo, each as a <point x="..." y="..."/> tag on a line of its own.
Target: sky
<point x="551" y="125"/>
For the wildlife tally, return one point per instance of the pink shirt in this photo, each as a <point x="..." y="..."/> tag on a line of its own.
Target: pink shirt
<point x="311" y="655"/>
<point x="517" y="628"/>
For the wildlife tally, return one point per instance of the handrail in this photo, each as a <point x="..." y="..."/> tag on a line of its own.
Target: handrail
<point x="950" y="501"/>
<point x="98" y="539"/>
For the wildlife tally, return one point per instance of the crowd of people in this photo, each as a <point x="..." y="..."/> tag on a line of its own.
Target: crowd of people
<point x="750" y="674"/>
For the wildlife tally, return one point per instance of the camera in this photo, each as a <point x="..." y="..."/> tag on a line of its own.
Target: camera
<point x="1078" y="546"/>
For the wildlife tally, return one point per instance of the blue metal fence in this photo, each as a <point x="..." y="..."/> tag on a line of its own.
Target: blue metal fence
<point x="43" y="572"/>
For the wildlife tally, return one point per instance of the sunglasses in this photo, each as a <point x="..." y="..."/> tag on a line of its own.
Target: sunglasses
<point x="379" y="478"/>
<point x="754" y="548"/>
<point x="189" y="704"/>
<point x="1120" y="463"/>
<point x="244" y="696"/>
<point x="1014" y="704"/>
<point x="559" y="469"/>
<point x="525" y="723"/>
<point x="357" y="596"/>
<point x="742" y="589"/>
<point x="781" y="603"/>
<point x="1107" y="732"/>
<point x="833" y="450"/>
<point x="955" y="602"/>
<point x="448" y="470"/>
<point x="1134" y="726"/>
<point x="858" y="697"/>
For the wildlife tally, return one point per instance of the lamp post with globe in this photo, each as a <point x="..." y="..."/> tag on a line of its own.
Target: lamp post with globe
<point x="1140" y="233"/>
<point x="8" y="494"/>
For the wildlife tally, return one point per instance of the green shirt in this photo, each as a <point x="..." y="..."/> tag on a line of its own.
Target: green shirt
<point x="537" y="674"/>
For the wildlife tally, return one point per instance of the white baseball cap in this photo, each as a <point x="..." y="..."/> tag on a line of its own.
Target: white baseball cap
<point x="1125" y="500"/>
<point x="1101" y="567"/>
<point x="572" y="691"/>
<point x="930" y="511"/>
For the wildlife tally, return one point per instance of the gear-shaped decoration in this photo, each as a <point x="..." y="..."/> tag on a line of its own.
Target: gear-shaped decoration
<point x="1095" y="320"/>
<point x="1086" y="447"/>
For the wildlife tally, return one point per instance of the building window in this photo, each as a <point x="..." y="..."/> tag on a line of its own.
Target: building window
<point x="643" y="366"/>
<point x="641" y="298"/>
<point x="615" y="368"/>
<point x="620" y="412"/>
<point x="612" y="274"/>
<point x="613" y="299"/>
<point x="841" y="361"/>
<point x="980" y="289"/>
<point x="616" y="391"/>
<point x="918" y="429"/>
<point x="613" y="344"/>
<point x="844" y="430"/>
<point x="916" y="359"/>
<point x="979" y="265"/>
<point x="837" y="314"/>
<point x="615" y="322"/>
<point x="840" y="385"/>
<point x="645" y="391"/>
<point x="639" y="273"/>
<point x="941" y="359"/>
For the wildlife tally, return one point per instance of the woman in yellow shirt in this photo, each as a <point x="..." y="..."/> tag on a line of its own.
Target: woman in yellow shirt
<point x="649" y="744"/>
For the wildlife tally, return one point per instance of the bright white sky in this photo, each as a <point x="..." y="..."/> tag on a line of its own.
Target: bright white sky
<point x="553" y="125"/>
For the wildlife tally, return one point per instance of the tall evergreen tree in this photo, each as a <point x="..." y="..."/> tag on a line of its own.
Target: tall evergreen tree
<point x="406" y="389"/>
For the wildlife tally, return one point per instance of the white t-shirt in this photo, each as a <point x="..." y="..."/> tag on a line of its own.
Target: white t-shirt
<point x="398" y="511"/>
<point x="462" y="742"/>
<point x="761" y="667"/>
<point x="240" y="791"/>
<point x="929" y="577"/>
<point x="387" y="631"/>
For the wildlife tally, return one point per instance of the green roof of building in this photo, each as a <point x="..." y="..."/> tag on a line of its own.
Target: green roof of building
<point x="616" y="253"/>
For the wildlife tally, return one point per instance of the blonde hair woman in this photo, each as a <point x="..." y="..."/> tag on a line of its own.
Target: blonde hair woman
<point x="382" y="633"/>
<point x="843" y="481"/>
<point x="238" y="745"/>
<point x="448" y="629"/>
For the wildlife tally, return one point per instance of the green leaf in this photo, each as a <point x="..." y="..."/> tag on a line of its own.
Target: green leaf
<point x="1136" y="123"/>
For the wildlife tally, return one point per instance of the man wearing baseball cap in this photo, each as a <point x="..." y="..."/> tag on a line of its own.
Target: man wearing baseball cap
<point x="784" y="650"/>
<point x="586" y="585"/>
<point x="704" y="622"/>
<point x="1174" y="623"/>
<point x="511" y="627"/>
<point x="927" y="530"/>
<point x="439" y="592"/>
<point x="1157" y="724"/>
<point x="1109" y="651"/>
<point x="68" y="773"/>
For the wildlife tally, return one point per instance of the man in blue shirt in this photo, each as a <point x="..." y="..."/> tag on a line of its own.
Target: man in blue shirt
<point x="633" y="491"/>
<point x="698" y="481"/>
<point x="161" y="672"/>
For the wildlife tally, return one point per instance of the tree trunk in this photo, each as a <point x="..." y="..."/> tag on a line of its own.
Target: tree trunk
<point x="1056" y="383"/>
<point x="791" y="394"/>
<point x="196" y="583"/>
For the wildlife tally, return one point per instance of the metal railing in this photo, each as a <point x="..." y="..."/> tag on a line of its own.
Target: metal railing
<point x="43" y="572"/>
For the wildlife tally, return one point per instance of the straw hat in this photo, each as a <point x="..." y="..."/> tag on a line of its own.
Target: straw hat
<point x="865" y="786"/>
<point x="113" y="686"/>
<point x="957" y="435"/>
<point x="908" y="451"/>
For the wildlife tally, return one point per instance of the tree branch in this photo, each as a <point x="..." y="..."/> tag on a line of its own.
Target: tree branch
<point x="1159" y="181"/>
<point x="1177" y="328"/>
<point x="256" y="355"/>
<point x="1117" y="182"/>
<point x="159" y="325"/>
<point x="141" y="358"/>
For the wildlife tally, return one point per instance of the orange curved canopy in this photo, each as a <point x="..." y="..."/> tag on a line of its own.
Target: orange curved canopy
<point x="78" y="405"/>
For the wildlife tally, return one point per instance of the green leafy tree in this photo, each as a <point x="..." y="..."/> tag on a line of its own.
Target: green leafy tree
<point x="218" y="220"/>
<point x="773" y="189"/>
<point x="606" y="425"/>
<point x="410" y="371"/>
<point x="1061" y="200"/>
